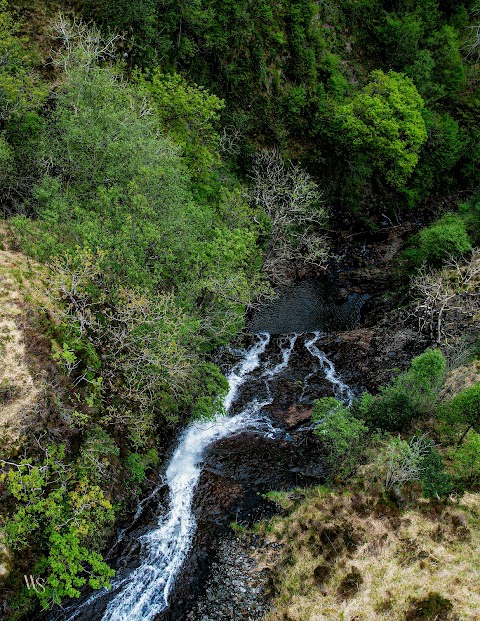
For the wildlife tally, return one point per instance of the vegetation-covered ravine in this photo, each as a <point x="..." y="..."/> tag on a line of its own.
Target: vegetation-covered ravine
<point x="268" y="210"/>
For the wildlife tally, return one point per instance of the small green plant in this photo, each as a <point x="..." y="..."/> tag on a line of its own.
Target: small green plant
<point x="433" y="607"/>
<point x="343" y="435"/>
<point x="237" y="527"/>
<point x="280" y="498"/>
<point x="466" y="462"/>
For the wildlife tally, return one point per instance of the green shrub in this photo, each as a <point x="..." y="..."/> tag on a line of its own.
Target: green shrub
<point x="466" y="462"/>
<point x="445" y="237"/>
<point x="401" y="39"/>
<point x="411" y="394"/>
<point x="463" y="411"/>
<point x="471" y="214"/>
<point x="343" y="435"/>
<point x="21" y="94"/>
<point x="444" y="147"/>
<point x="436" y="483"/>
<point x="63" y="518"/>
<point x="448" y="70"/>
<point x="401" y="462"/>
<point x="137" y="465"/>
<point x="392" y="410"/>
<point x="425" y="376"/>
<point x="189" y="114"/>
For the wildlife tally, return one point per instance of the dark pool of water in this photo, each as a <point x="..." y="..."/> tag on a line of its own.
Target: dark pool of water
<point x="306" y="307"/>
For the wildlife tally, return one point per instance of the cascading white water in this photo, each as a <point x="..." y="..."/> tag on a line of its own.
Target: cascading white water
<point x="144" y="593"/>
<point x="165" y="548"/>
<point x="342" y="391"/>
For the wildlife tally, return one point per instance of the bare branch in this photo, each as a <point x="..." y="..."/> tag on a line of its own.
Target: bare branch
<point x="293" y="202"/>
<point x="81" y="44"/>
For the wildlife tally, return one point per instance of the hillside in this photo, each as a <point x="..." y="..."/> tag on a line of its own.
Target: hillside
<point x="167" y="169"/>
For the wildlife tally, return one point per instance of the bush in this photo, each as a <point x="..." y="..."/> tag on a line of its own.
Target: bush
<point x="403" y="462"/>
<point x="445" y="237"/>
<point x="400" y="462"/>
<point x="137" y="465"/>
<point x="391" y="411"/>
<point x="63" y="517"/>
<point x="463" y="410"/>
<point x="436" y="483"/>
<point x="410" y="394"/>
<point x="466" y="463"/>
<point x="342" y="434"/>
<point x="190" y="114"/>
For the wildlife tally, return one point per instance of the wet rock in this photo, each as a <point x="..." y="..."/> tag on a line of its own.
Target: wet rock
<point x="296" y="415"/>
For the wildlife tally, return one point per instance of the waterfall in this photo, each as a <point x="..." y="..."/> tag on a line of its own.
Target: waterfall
<point x="342" y="391"/>
<point x="144" y="592"/>
<point x="165" y="548"/>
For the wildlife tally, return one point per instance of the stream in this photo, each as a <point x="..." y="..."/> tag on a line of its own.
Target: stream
<point x="145" y="587"/>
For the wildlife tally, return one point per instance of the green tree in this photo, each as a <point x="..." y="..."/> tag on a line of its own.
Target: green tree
<point x="448" y="70"/>
<point x="62" y="518"/>
<point x="21" y="94"/>
<point x="385" y="121"/>
<point x="463" y="410"/>
<point x="190" y="114"/>
<point x="114" y="184"/>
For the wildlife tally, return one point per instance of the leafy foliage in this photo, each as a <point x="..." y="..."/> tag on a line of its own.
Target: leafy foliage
<point x="463" y="410"/>
<point x="385" y="119"/>
<point x="436" y="483"/>
<point x="412" y="393"/>
<point x="444" y="238"/>
<point x="287" y="72"/>
<point x="466" y="462"/>
<point x="63" y="515"/>
<point x="343" y="435"/>
<point x="190" y="114"/>
<point x="21" y="94"/>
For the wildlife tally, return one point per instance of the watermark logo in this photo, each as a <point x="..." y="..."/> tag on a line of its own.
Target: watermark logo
<point x="35" y="582"/>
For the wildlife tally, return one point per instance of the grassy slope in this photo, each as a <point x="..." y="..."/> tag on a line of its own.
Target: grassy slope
<point x="351" y="556"/>
<point x="21" y="289"/>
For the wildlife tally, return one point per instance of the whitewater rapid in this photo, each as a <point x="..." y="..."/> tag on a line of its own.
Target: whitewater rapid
<point x="144" y="592"/>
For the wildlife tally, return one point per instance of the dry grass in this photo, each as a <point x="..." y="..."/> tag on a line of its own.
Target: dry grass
<point x="20" y="286"/>
<point x="355" y="558"/>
